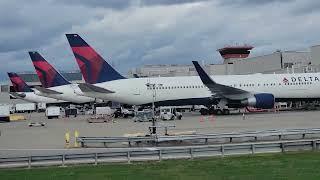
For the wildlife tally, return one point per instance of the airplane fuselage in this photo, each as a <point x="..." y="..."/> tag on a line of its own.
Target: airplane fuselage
<point x="190" y="89"/>
<point x="34" y="98"/>
<point x="68" y="94"/>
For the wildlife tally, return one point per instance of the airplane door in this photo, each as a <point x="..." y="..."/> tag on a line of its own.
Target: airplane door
<point x="136" y="91"/>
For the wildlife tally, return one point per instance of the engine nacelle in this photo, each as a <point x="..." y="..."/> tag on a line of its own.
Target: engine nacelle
<point x="261" y="100"/>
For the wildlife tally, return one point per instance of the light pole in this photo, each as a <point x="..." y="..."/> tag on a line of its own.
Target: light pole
<point x="153" y="88"/>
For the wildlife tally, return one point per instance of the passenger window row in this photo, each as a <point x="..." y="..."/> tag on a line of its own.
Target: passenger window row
<point x="272" y="84"/>
<point x="177" y="87"/>
<point x="300" y="83"/>
<point x="235" y="85"/>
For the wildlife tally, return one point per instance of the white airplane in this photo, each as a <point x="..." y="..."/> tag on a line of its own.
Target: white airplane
<point x="54" y="85"/>
<point x="24" y="92"/>
<point x="255" y="90"/>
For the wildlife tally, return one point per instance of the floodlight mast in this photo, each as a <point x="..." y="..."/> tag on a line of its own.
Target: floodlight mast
<point x="153" y="87"/>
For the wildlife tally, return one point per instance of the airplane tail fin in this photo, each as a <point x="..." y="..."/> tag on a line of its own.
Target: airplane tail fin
<point x="93" y="67"/>
<point x="19" y="85"/>
<point x="49" y="77"/>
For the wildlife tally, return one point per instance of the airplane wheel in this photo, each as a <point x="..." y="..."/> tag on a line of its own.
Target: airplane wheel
<point x="204" y="111"/>
<point x="212" y="111"/>
<point x="218" y="112"/>
<point x="226" y="111"/>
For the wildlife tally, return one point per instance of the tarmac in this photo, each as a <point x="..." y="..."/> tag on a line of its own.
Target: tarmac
<point x="19" y="137"/>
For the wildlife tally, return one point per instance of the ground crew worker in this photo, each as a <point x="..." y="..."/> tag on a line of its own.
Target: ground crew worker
<point x="76" y="135"/>
<point x="67" y="139"/>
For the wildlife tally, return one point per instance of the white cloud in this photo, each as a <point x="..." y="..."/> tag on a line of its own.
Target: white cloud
<point x="135" y="32"/>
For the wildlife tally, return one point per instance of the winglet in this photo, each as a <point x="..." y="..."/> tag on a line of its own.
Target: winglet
<point x="205" y="78"/>
<point x="48" y="75"/>
<point x="19" y="85"/>
<point x="93" y="67"/>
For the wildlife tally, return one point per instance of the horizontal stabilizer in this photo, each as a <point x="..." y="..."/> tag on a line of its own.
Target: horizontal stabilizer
<point x="18" y="95"/>
<point x="89" y="88"/>
<point x="46" y="91"/>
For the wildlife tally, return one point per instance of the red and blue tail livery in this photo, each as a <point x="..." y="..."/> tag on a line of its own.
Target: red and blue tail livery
<point x="49" y="77"/>
<point x="19" y="85"/>
<point x="93" y="67"/>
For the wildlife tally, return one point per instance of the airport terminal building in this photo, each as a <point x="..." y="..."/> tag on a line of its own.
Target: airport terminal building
<point x="237" y="60"/>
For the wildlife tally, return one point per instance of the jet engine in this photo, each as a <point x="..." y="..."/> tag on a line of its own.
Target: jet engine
<point x="261" y="100"/>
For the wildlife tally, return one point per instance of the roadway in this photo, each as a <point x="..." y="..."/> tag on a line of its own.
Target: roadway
<point x="17" y="137"/>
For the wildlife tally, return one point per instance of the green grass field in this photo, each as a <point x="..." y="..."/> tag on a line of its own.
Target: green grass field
<point x="304" y="165"/>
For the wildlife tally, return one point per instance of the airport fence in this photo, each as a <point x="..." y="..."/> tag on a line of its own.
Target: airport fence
<point x="128" y="155"/>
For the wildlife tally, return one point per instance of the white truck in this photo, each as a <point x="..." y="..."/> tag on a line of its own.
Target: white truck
<point x="52" y="112"/>
<point x="123" y="112"/>
<point x="42" y="107"/>
<point x="102" y="114"/>
<point x="169" y="113"/>
<point x="104" y="110"/>
<point x="5" y="113"/>
<point x="25" y="107"/>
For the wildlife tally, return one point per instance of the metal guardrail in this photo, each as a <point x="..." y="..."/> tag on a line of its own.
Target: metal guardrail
<point x="87" y="140"/>
<point x="142" y="154"/>
<point x="256" y="135"/>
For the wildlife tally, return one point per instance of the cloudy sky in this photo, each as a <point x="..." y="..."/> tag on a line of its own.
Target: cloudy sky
<point x="129" y="33"/>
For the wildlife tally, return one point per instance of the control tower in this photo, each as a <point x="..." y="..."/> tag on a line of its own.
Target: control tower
<point x="233" y="53"/>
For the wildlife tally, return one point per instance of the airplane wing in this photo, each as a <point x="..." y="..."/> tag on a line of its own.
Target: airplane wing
<point x="89" y="88"/>
<point x="46" y="91"/>
<point x="220" y="90"/>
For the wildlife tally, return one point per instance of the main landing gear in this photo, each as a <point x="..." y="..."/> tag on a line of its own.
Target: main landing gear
<point x="215" y="111"/>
